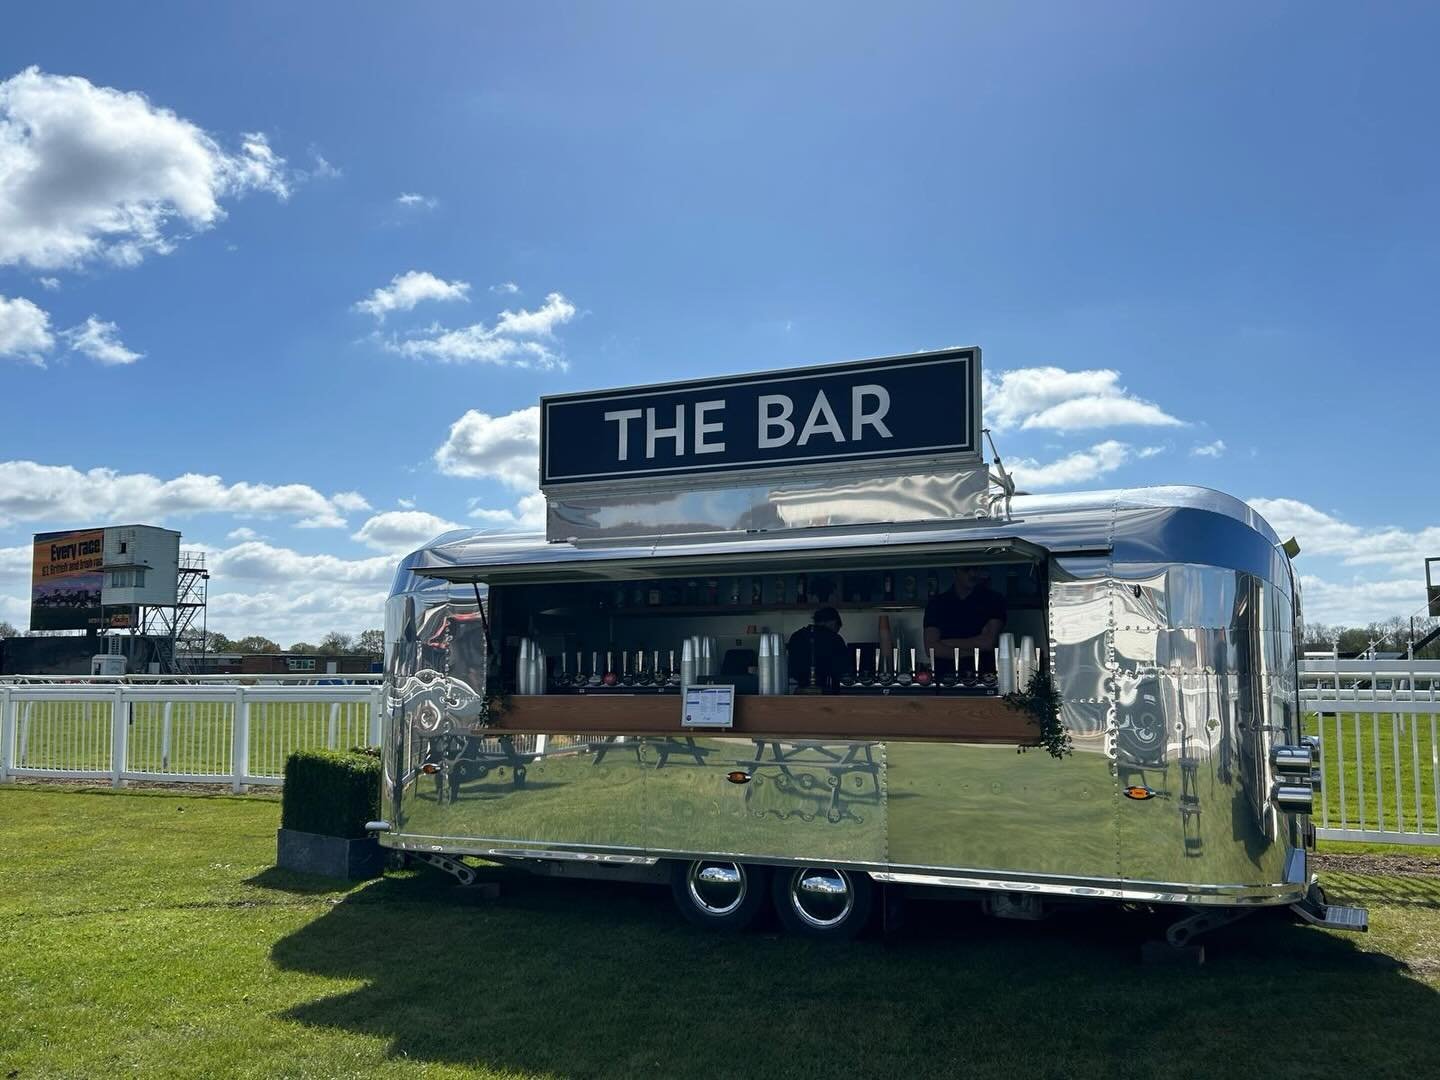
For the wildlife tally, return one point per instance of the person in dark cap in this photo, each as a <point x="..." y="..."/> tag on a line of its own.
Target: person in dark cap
<point x="817" y="652"/>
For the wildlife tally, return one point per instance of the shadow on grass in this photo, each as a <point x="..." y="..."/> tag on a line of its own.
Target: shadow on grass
<point x="584" y="978"/>
<point x="289" y="881"/>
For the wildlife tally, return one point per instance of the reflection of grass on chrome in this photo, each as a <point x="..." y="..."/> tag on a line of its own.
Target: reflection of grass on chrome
<point x="944" y="805"/>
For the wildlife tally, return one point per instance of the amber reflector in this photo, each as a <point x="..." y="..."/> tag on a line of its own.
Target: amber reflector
<point x="738" y="777"/>
<point x="1139" y="793"/>
<point x="430" y="769"/>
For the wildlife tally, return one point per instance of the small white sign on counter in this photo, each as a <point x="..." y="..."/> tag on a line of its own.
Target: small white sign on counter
<point x="709" y="706"/>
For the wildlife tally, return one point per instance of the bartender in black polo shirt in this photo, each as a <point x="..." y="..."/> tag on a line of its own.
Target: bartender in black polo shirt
<point x="967" y="616"/>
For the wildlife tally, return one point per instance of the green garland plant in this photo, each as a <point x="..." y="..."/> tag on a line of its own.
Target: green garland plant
<point x="1041" y="701"/>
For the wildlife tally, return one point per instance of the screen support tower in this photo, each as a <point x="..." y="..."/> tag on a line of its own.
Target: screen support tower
<point x="165" y="624"/>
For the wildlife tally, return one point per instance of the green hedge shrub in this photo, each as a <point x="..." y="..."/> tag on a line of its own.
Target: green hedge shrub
<point x="331" y="793"/>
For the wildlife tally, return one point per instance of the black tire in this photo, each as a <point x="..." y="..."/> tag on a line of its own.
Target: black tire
<point x="517" y="776"/>
<point x="835" y="905"/>
<point x="725" y="906"/>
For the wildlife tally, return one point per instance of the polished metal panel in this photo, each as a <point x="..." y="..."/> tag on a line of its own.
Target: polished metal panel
<point x="1171" y="639"/>
<point x="824" y="798"/>
<point x="957" y="804"/>
<point x="769" y="504"/>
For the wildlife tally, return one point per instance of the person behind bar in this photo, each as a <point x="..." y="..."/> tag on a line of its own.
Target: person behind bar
<point x="818" y="649"/>
<point x="967" y="616"/>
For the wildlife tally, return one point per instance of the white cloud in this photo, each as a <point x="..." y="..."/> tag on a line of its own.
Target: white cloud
<point x="99" y="341"/>
<point x="51" y="283"/>
<point x="24" y="330"/>
<point x="62" y="494"/>
<point x="508" y="288"/>
<point x="16" y="563"/>
<point x="1079" y="467"/>
<point x="287" y="615"/>
<point x="243" y="533"/>
<point x="255" y="561"/>
<point x="504" y="344"/>
<point x="349" y="501"/>
<point x="411" y="288"/>
<point x="528" y="513"/>
<point x="1210" y="450"/>
<point x="89" y="172"/>
<point x="1057" y="399"/>
<point x="1360" y="602"/>
<point x="402" y="530"/>
<point x="1150" y="451"/>
<point x="1320" y="533"/>
<point x="320" y="169"/>
<point x="541" y="322"/>
<point x="413" y="201"/>
<point x="504" y="447"/>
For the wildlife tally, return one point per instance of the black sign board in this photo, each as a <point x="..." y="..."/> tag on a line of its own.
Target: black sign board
<point x="922" y="405"/>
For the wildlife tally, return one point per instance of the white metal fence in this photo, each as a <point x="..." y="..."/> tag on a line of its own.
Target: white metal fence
<point x="199" y="730"/>
<point x="1379" y="754"/>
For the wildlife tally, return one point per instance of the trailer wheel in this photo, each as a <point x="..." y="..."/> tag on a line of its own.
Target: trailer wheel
<point x="823" y="901"/>
<point x="517" y="777"/>
<point x="719" y="895"/>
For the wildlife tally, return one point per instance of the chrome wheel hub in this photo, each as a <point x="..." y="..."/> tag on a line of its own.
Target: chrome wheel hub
<point x="716" y="888"/>
<point x="822" y="896"/>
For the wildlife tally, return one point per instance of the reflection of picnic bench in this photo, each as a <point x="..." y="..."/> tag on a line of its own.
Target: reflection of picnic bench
<point x="663" y="747"/>
<point x="469" y="757"/>
<point x="798" y="764"/>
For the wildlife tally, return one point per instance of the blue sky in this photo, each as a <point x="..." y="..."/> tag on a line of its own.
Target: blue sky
<point x="1217" y="225"/>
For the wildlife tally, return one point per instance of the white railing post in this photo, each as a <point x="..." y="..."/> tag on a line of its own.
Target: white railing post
<point x="240" y="742"/>
<point x="165" y="737"/>
<point x="22" y="755"/>
<point x="119" y="736"/>
<point x="332" y="731"/>
<point x="7" y="733"/>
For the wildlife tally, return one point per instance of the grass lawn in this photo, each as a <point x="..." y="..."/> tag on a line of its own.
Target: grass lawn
<point x="145" y="933"/>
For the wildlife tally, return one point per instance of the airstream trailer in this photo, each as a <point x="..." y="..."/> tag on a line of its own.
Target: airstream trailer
<point x="614" y="697"/>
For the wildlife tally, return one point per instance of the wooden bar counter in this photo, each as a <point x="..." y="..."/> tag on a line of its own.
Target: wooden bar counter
<point x="877" y="717"/>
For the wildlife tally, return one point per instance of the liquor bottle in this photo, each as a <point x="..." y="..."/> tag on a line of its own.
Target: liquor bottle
<point x="620" y="596"/>
<point x="652" y="597"/>
<point x="610" y="678"/>
<point x="757" y="591"/>
<point x="887" y="587"/>
<point x="734" y="590"/>
<point x="712" y="591"/>
<point x="780" y="593"/>
<point x="692" y="593"/>
<point x="672" y="593"/>
<point x="907" y="588"/>
<point x="932" y="584"/>
<point x="595" y="677"/>
<point x="802" y="592"/>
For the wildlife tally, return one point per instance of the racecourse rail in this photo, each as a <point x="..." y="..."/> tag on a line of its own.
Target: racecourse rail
<point x="1375" y="721"/>
<point x="216" y="729"/>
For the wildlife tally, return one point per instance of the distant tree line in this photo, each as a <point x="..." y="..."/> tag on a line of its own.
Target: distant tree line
<point x="335" y="643"/>
<point x="1390" y="635"/>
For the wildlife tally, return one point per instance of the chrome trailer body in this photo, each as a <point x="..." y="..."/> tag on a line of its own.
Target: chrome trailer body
<point x="1171" y="624"/>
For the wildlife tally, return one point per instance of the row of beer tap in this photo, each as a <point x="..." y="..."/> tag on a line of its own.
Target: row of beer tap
<point x="1001" y="670"/>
